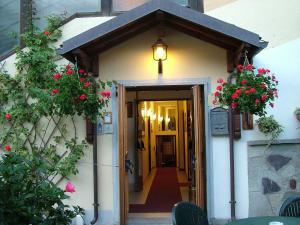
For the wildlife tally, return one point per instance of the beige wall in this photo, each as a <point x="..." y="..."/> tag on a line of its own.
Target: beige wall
<point x="187" y="58"/>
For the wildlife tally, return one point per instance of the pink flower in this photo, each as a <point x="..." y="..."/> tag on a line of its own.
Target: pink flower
<point x="81" y="79"/>
<point x="68" y="67"/>
<point x="238" y="91"/>
<point x="247" y="92"/>
<point x="70" y="187"/>
<point x="69" y="72"/>
<point x="234" y="104"/>
<point x="81" y="71"/>
<point x="105" y="94"/>
<point x="8" y="116"/>
<point x="87" y="84"/>
<point x="54" y="91"/>
<point x="7" y="148"/>
<point x="252" y="90"/>
<point x="214" y="102"/>
<point x="257" y="101"/>
<point x="264" y="97"/>
<point x="219" y="88"/>
<point x="249" y="67"/>
<point x="217" y="93"/>
<point x="220" y="81"/>
<point x="57" y="76"/>
<point x="240" y="67"/>
<point x="82" y="97"/>
<point x="47" y="33"/>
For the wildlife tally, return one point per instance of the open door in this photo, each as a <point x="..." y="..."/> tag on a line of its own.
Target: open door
<point x="123" y="154"/>
<point x="199" y="145"/>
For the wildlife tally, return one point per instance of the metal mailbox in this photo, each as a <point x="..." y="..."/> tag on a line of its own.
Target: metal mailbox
<point x="219" y="121"/>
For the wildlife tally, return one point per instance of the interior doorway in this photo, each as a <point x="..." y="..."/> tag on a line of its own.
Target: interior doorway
<point x="163" y="146"/>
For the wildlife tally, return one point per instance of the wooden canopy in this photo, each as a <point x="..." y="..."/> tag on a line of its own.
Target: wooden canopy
<point x="162" y="13"/>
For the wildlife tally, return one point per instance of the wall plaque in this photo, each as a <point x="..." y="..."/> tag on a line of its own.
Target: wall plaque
<point x="219" y="121"/>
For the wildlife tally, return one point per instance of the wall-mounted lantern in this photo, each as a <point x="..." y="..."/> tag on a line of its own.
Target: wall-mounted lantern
<point x="159" y="54"/>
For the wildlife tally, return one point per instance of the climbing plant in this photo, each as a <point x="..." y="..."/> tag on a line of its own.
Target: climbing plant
<point x="39" y="107"/>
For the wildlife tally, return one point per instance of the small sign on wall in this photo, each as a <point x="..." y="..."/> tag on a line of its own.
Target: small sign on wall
<point x="105" y="125"/>
<point x="219" y="121"/>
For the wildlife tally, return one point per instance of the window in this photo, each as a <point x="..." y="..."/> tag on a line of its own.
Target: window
<point x="125" y="5"/>
<point x="9" y="24"/>
<point x="45" y="8"/>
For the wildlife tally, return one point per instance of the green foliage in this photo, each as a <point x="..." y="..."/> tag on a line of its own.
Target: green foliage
<point x="297" y="111"/>
<point x="33" y="124"/>
<point x="270" y="127"/>
<point x="252" y="91"/>
<point x="28" y="197"/>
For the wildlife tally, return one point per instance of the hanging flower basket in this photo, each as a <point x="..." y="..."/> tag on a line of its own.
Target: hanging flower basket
<point x="252" y="91"/>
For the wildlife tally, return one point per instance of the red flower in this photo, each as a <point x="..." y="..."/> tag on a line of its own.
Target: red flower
<point x="69" y="72"/>
<point x="244" y="81"/>
<point x="54" y="91"/>
<point x="7" y="148"/>
<point x="234" y="96"/>
<point x="264" y="97"/>
<point x="68" y="67"/>
<point x="249" y="67"/>
<point x="219" y="88"/>
<point x="47" y="33"/>
<point x="261" y="71"/>
<point x="252" y="90"/>
<point x="81" y="71"/>
<point x="240" y="67"/>
<point x="82" y="97"/>
<point x="238" y="91"/>
<point x="106" y="94"/>
<point x="7" y="116"/>
<point x="220" y="81"/>
<point x="81" y="79"/>
<point x="56" y="76"/>
<point x="247" y="92"/>
<point x="216" y="93"/>
<point x="87" y="84"/>
<point x="234" y="104"/>
<point x="257" y="101"/>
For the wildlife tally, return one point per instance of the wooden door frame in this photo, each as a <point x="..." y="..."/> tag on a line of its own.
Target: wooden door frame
<point x="205" y="82"/>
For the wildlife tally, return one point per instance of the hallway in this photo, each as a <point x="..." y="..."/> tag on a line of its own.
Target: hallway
<point x="164" y="187"/>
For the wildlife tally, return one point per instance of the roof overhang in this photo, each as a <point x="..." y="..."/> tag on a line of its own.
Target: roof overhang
<point x="162" y="13"/>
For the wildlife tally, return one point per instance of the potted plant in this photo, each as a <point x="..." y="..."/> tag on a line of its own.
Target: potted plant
<point x="253" y="90"/>
<point x="269" y="127"/>
<point x="297" y="113"/>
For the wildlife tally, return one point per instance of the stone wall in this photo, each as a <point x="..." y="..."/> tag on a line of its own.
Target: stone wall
<point x="274" y="175"/>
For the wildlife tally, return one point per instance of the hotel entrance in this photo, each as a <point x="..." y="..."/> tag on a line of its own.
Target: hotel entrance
<point x="163" y="149"/>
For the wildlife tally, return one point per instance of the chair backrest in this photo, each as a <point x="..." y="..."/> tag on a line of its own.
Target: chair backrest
<point x="290" y="207"/>
<point x="185" y="213"/>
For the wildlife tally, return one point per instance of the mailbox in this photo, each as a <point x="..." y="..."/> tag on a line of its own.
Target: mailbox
<point x="219" y="121"/>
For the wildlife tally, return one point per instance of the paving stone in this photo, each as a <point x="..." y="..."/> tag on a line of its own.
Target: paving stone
<point x="278" y="161"/>
<point x="269" y="186"/>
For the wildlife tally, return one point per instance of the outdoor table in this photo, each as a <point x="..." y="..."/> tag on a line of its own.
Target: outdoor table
<point x="266" y="220"/>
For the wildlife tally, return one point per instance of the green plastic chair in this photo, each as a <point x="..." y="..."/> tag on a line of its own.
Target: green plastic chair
<point x="186" y="213"/>
<point x="290" y="207"/>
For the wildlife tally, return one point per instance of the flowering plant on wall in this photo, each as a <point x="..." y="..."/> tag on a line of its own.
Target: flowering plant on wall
<point x="253" y="90"/>
<point x="74" y="91"/>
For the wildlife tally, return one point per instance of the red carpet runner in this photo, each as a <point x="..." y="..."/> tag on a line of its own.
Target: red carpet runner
<point x="163" y="194"/>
